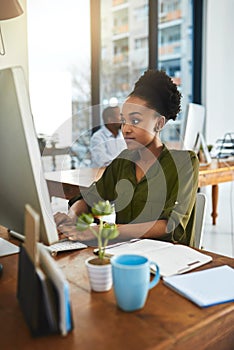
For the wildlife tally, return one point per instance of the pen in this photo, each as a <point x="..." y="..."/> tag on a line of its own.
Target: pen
<point x="16" y="235"/>
<point x="95" y="251"/>
<point x="122" y="243"/>
<point x="184" y="269"/>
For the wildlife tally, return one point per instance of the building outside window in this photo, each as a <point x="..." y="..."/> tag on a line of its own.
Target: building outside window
<point x="124" y="42"/>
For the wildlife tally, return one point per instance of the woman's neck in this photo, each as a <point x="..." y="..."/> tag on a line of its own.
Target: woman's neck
<point x="151" y="151"/>
<point x="147" y="157"/>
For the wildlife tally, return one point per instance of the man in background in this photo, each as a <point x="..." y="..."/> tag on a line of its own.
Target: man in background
<point x="108" y="141"/>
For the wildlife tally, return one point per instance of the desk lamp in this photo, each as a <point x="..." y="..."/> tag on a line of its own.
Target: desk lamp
<point x="8" y="9"/>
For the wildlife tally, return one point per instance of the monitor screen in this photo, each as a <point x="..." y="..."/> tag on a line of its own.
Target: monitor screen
<point x="193" y="126"/>
<point x="21" y="177"/>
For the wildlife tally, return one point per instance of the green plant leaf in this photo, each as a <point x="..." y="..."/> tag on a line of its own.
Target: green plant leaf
<point x="105" y="232"/>
<point x="102" y="208"/>
<point x="109" y="231"/>
<point x="84" y="221"/>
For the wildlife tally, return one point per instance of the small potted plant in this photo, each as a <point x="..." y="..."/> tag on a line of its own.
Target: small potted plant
<point x="99" y="268"/>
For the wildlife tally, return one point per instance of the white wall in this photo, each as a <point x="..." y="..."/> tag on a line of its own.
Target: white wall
<point x="14" y="33"/>
<point x="219" y="69"/>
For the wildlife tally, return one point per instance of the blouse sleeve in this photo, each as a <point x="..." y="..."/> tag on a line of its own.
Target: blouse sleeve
<point x="179" y="209"/>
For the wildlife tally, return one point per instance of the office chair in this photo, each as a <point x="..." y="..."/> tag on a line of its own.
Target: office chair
<point x="200" y="219"/>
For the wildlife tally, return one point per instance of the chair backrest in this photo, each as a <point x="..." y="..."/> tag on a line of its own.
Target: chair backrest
<point x="200" y="219"/>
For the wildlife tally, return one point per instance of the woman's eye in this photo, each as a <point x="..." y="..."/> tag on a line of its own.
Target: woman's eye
<point x="135" y="121"/>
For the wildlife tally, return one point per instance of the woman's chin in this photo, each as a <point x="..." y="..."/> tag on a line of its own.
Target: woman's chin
<point x="132" y="144"/>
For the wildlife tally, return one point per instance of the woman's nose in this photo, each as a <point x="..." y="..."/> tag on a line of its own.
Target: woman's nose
<point x="126" y="128"/>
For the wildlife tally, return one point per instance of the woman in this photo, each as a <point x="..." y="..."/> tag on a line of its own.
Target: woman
<point x="153" y="189"/>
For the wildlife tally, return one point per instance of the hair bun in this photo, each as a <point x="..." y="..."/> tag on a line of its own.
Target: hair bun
<point x="160" y="93"/>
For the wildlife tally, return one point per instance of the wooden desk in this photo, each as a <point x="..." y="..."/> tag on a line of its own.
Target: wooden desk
<point x="168" y="321"/>
<point x="67" y="183"/>
<point x="217" y="172"/>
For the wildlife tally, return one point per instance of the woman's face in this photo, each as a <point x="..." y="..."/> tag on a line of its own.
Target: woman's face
<point x="138" y="123"/>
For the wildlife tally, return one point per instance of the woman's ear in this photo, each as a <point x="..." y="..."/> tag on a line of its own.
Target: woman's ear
<point x="161" y="121"/>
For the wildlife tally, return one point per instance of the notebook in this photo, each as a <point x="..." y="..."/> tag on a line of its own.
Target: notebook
<point x="171" y="258"/>
<point x="205" y="288"/>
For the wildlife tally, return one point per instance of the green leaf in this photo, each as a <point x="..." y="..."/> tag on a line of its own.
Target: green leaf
<point x="106" y="231"/>
<point x="102" y="208"/>
<point x="109" y="231"/>
<point x="84" y="221"/>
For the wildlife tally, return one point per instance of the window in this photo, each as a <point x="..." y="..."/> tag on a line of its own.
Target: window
<point x="59" y="68"/>
<point x="141" y="12"/>
<point x="59" y="57"/>
<point x="131" y="47"/>
<point x="141" y="43"/>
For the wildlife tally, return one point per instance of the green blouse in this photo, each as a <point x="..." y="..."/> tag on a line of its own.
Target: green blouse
<point x="167" y="191"/>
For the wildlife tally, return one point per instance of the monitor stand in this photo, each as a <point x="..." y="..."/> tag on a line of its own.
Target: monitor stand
<point x="200" y="141"/>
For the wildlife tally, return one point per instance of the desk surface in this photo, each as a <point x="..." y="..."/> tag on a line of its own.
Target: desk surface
<point x="168" y="321"/>
<point x="216" y="172"/>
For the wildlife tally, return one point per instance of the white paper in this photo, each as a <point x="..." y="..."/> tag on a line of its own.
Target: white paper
<point x="7" y="248"/>
<point x="171" y="258"/>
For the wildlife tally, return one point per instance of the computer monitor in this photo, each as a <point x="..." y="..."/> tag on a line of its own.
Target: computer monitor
<point x="193" y="126"/>
<point x="192" y="132"/>
<point x="21" y="176"/>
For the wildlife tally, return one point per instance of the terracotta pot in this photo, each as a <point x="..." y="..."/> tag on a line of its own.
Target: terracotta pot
<point x="100" y="274"/>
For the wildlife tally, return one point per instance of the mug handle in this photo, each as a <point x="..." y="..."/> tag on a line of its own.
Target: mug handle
<point x="156" y="277"/>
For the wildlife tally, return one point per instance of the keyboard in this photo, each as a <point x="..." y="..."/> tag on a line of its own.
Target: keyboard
<point x="65" y="245"/>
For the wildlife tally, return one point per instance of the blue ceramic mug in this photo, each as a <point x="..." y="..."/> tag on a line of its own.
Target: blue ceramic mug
<point x="131" y="280"/>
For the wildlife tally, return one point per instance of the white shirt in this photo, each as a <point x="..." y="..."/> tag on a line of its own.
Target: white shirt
<point x="104" y="147"/>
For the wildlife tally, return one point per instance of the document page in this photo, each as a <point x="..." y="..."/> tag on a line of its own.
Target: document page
<point x="7" y="248"/>
<point x="171" y="258"/>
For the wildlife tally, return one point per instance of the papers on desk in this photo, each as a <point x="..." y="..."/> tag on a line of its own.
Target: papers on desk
<point x="171" y="258"/>
<point x="7" y="248"/>
<point x="205" y="288"/>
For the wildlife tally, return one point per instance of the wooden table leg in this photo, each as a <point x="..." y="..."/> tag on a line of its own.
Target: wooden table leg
<point x="215" y="193"/>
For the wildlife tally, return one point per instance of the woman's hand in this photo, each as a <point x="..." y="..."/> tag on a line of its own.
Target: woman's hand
<point x="62" y="218"/>
<point x="67" y="226"/>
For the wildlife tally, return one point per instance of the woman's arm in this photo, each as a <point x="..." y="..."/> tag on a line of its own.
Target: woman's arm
<point x="66" y="224"/>
<point x="152" y="229"/>
<point x="78" y="208"/>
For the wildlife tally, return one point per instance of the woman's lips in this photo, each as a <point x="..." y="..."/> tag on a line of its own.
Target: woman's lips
<point x="129" y="139"/>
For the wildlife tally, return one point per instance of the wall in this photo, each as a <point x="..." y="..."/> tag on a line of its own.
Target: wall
<point x="14" y="33"/>
<point x="219" y="69"/>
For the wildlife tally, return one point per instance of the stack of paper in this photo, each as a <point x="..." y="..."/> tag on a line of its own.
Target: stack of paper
<point x="205" y="288"/>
